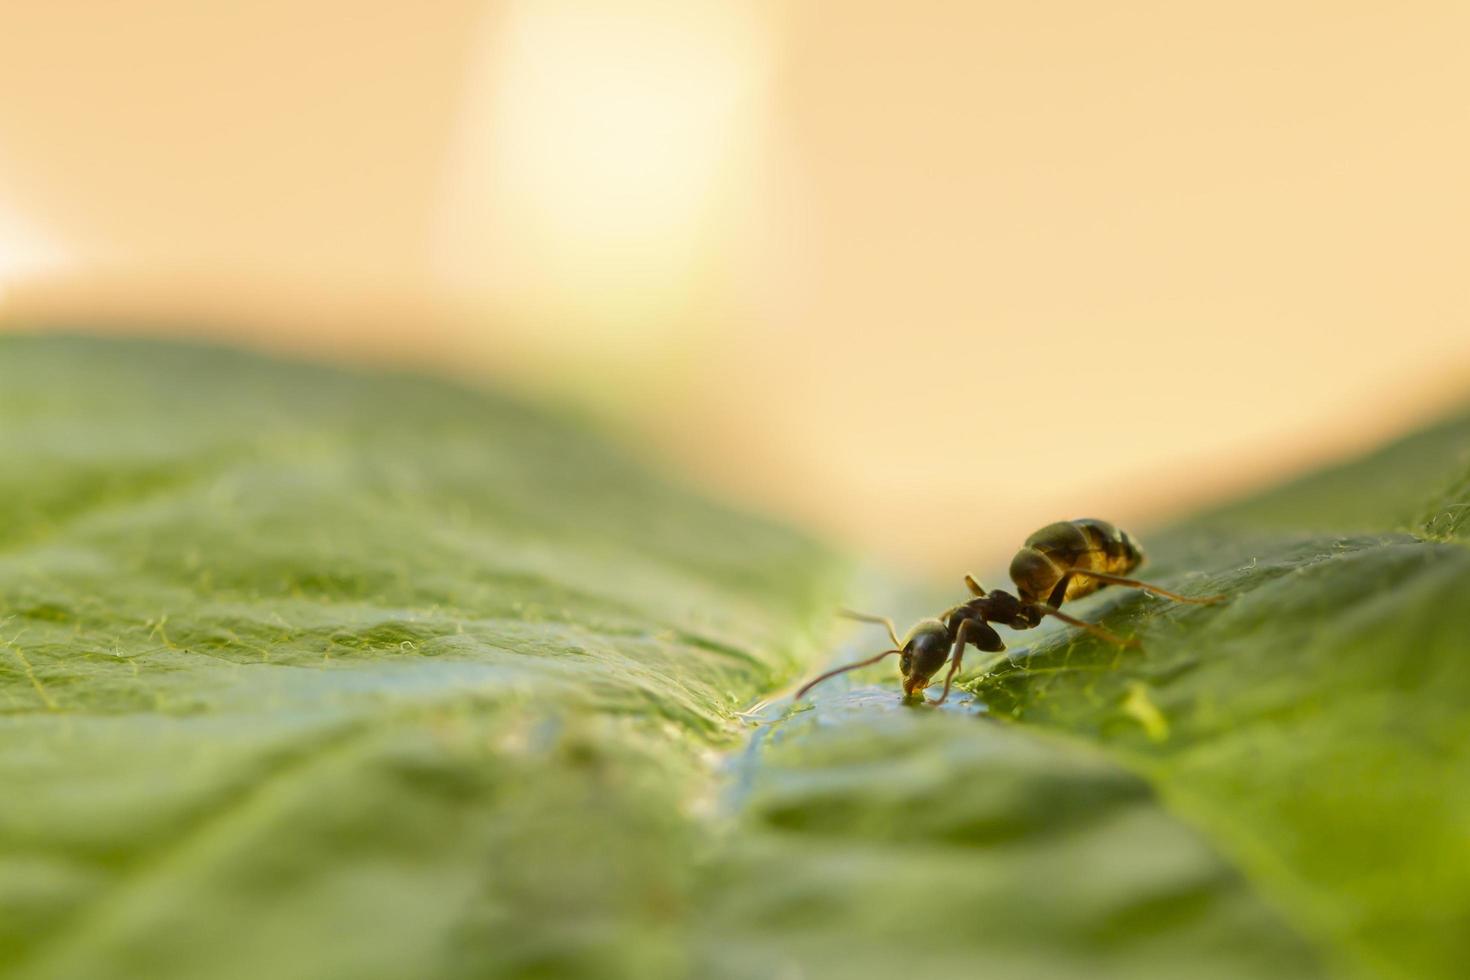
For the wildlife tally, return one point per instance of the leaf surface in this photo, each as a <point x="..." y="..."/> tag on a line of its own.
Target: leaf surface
<point x="307" y="672"/>
<point x="1314" y="727"/>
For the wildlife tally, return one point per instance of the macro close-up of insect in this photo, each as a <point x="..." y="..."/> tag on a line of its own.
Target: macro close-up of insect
<point x="1062" y="561"/>
<point x="451" y="453"/>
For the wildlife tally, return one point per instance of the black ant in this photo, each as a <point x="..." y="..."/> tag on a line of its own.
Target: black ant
<point x="1065" y="560"/>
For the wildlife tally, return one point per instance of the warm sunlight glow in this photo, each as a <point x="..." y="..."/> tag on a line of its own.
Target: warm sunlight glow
<point x="595" y="155"/>
<point x="920" y="276"/>
<point x="24" y="251"/>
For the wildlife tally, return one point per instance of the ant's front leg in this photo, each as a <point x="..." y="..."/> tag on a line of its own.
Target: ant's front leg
<point x="978" y="633"/>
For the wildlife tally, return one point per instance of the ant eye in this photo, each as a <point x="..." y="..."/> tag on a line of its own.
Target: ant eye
<point x="905" y="662"/>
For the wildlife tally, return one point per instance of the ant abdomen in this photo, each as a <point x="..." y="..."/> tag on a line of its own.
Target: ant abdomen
<point x="1083" y="545"/>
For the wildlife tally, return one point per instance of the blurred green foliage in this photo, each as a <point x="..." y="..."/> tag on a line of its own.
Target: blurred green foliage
<point x="308" y="672"/>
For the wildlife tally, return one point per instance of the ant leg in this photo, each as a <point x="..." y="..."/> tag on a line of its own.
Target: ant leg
<point x="1134" y="583"/>
<point x="879" y="620"/>
<point x="961" y="637"/>
<point x="954" y="665"/>
<point x="1092" y="628"/>
<point x="974" y="587"/>
<point x="978" y="633"/>
<point x="1059" y="594"/>
<point x="841" y="670"/>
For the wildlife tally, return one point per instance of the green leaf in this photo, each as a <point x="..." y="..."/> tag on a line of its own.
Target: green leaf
<point x="318" y="673"/>
<point x="306" y="672"/>
<point x="1314" y="728"/>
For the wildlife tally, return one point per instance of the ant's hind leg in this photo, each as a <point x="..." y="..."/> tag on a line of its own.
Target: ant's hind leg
<point x="975" y="588"/>
<point x="1097" y="631"/>
<point x="879" y="620"/>
<point x="1134" y="583"/>
<point x="1059" y="593"/>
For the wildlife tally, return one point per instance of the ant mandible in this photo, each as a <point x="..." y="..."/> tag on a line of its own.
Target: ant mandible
<point x="1065" y="560"/>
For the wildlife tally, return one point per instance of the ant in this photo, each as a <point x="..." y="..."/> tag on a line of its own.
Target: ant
<point x="1065" y="560"/>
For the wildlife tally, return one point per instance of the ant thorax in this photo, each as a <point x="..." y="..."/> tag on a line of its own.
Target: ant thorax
<point x="996" y="607"/>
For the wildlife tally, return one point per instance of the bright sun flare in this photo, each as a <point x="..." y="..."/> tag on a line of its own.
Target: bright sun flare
<point x="594" y="152"/>
<point x="24" y="251"/>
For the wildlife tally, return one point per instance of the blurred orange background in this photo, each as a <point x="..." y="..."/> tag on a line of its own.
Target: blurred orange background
<point x="922" y="277"/>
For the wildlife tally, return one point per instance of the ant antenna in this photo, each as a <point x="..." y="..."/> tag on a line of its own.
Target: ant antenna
<point x="879" y="620"/>
<point x="841" y="670"/>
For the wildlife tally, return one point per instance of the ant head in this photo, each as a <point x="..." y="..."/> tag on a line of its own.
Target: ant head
<point x="925" y="650"/>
